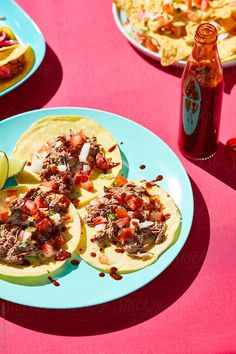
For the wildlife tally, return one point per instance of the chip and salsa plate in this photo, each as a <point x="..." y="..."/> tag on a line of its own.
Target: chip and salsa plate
<point x="163" y="45"/>
<point x="80" y="282"/>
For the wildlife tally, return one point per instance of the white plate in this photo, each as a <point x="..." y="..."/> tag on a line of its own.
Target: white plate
<point x="120" y="18"/>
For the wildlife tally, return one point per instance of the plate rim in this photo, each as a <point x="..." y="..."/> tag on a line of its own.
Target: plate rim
<point x="42" y="52"/>
<point x="188" y="221"/>
<point x="181" y="63"/>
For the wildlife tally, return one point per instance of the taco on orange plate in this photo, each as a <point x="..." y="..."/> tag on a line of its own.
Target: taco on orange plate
<point x="128" y="226"/>
<point x="71" y="154"/>
<point x="39" y="231"/>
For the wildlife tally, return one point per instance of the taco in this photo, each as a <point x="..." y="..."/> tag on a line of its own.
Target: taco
<point x="16" y="60"/>
<point x="39" y="230"/>
<point x="7" y="37"/>
<point x="128" y="226"/>
<point x="73" y="155"/>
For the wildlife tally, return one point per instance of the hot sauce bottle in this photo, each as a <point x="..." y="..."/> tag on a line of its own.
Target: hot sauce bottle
<point x="201" y="97"/>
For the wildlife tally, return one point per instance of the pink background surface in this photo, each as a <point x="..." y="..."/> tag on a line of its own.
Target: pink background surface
<point x="190" y="307"/>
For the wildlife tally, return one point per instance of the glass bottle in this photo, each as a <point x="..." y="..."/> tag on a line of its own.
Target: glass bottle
<point x="201" y="97"/>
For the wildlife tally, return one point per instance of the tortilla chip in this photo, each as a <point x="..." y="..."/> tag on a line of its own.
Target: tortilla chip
<point x="172" y="49"/>
<point x="227" y="48"/>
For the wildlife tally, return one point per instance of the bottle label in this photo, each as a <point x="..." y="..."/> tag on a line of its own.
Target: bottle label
<point x="191" y="105"/>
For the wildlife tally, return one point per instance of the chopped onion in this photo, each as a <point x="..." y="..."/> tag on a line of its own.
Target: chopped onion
<point x="222" y="36"/>
<point x="56" y="218"/>
<point x="58" y="143"/>
<point x="93" y="202"/>
<point x="86" y="168"/>
<point x="36" y="164"/>
<point x="100" y="227"/>
<point x="62" y="168"/>
<point x="44" y="155"/>
<point x="84" y="152"/>
<point x="145" y="224"/>
<point x="134" y="223"/>
<point x="3" y="36"/>
<point x="25" y="235"/>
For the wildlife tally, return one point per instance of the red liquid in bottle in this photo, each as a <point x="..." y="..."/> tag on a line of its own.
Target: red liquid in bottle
<point x="201" y="98"/>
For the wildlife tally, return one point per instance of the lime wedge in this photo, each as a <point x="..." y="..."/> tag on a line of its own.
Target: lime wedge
<point x="3" y="168"/>
<point x="15" y="166"/>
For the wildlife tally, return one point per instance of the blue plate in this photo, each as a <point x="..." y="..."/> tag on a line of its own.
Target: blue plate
<point x="82" y="286"/>
<point x="26" y="31"/>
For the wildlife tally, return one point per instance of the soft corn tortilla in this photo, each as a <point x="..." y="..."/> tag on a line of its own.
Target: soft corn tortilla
<point x="35" y="275"/>
<point x="12" y="53"/>
<point x="49" y="128"/>
<point x="122" y="261"/>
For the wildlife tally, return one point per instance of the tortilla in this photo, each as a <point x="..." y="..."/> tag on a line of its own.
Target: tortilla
<point x="38" y="274"/>
<point x="49" y="128"/>
<point x="12" y="54"/>
<point x="122" y="261"/>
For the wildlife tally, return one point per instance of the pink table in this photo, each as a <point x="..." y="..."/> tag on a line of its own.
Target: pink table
<point x="189" y="308"/>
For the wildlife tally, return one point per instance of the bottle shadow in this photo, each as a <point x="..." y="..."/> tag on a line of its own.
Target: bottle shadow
<point x="177" y="71"/>
<point x="222" y="166"/>
<point x="132" y="309"/>
<point x="37" y="90"/>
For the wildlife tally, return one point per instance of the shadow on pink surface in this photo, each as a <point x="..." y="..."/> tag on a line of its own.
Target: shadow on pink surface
<point x="132" y="309"/>
<point x="222" y="166"/>
<point x="229" y="73"/>
<point x="37" y="90"/>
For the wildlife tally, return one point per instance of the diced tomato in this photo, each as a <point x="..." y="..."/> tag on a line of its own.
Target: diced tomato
<point x="76" y="202"/>
<point x="205" y="5"/>
<point x="99" y="220"/>
<point x="11" y="192"/>
<point x="122" y="222"/>
<point x="24" y="217"/>
<point x="80" y="178"/>
<point x="156" y="216"/>
<point x="137" y="215"/>
<point x="49" y="184"/>
<point x="121" y="213"/>
<point x="30" y="207"/>
<point x="38" y="216"/>
<point x="10" y="200"/>
<point x="4" y="214"/>
<point x="62" y="255"/>
<point x="59" y="240"/>
<point x="120" y="197"/>
<point x="102" y="163"/>
<point x="126" y="234"/>
<point x="44" y="224"/>
<point x="48" y="250"/>
<point x="64" y="200"/>
<point x="134" y="203"/>
<point x="77" y="139"/>
<point x="149" y="45"/>
<point x="67" y="218"/>
<point x="44" y="148"/>
<point x="166" y="7"/>
<point x="40" y="202"/>
<point x="103" y="259"/>
<point x="120" y="181"/>
<point x="87" y="185"/>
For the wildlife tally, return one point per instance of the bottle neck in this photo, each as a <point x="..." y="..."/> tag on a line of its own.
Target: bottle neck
<point x="205" y="52"/>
